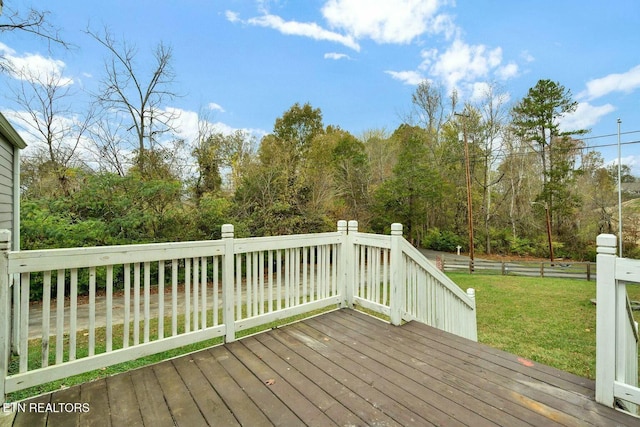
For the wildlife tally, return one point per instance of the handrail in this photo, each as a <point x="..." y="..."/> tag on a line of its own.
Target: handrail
<point x="395" y="279"/>
<point x="423" y="262"/>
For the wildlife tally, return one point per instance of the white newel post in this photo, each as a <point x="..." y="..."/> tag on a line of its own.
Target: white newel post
<point x="5" y="310"/>
<point x="227" y="283"/>
<point x="396" y="275"/>
<point x="343" y="277"/>
<point x="605" y="318"/>
<point x="351" y="261"/>
<point x="473" y="335"/>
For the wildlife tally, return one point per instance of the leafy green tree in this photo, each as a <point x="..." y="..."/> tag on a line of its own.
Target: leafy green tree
<point x="274" y="195"/>
<point x="536" y="118"/>
<point x="415" y="186"/>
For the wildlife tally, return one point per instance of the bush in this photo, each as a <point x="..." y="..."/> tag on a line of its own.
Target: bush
<point x="442" y="240"/>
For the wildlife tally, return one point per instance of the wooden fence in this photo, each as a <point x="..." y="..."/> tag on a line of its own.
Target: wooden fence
<point x="561" y="269"/>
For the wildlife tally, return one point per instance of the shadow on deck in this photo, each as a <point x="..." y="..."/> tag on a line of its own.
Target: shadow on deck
<point x="340" y="368"/>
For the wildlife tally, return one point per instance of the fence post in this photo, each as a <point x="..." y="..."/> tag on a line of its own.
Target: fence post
<point x="343" y="275"/>
<point x="397" y="278"/>
<point x="605" y="318"/>
<point x="227" y="283"/>
<point x="352" y="228"/>
<point x="589" y="271"/>
<point x="5" y="310"/>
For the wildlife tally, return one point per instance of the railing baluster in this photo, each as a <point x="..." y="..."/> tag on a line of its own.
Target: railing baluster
<point x="109" y="314"/>
<point x="196" y="292"/>
<point x="127" y="305"/>
<point x="216" y="289"/>
<point x="287" y="278"/>
<point x="92" y="311"/>
<point x="270" y="279"/>
<point x="136" y="303"/>
<point x="256" y="295"/>
<point x="305" y="271"/>
<point x="261" y="281"/>
<point x="334" y="266"/>
<point x="25" y="282"/>
<point x="174" y="297"/>
<point x="187" y="294"/>
<point x="46" y="317"/>
<point x="312" y="273"/>
<point x="296" y="275"/>
<point x="160" y="299"/>
<point x="73" y="314"/>
<point x="248" y="284"/>
<point x="203" y="296"/>
<point x="279" y="279"/>
<point x="147" y="300"/>
<point x="59" y="315"/>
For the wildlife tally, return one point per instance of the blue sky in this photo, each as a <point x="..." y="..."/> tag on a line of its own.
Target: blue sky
<point x="245" y="62"/>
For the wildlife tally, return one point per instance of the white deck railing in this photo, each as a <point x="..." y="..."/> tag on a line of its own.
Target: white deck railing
<point x="393" y="278"/>
<point x="616" y="329"/>
<point x="145" y="299"/>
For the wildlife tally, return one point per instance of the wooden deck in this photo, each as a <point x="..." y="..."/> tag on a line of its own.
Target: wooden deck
<point x="340" y="368"/>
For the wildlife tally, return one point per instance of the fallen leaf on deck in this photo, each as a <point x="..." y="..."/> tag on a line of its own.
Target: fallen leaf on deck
<point x="270" y="381"/>
<point x="525" y="362"/>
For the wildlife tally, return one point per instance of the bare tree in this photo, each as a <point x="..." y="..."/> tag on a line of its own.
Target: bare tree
<point x="33" y="21"/>
<point x="109" y="146"/>
<point x="49" y="119"/>
<point x="493" y="120"/>
<point x="126" y="91"/>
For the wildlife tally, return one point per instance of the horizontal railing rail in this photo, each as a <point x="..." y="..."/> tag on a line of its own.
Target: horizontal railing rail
<point x="80" y="309"/>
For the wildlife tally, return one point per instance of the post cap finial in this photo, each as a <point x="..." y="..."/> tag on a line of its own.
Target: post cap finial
<point x="227" y="231"/>
<point x="606" y="244"/>
<point x="396" y="228"/>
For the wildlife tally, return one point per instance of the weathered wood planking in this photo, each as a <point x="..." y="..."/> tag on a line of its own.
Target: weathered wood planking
<point x="340" y="368"/>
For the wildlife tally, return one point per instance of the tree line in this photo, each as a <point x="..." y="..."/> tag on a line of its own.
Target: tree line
<point x="114" y="171"/>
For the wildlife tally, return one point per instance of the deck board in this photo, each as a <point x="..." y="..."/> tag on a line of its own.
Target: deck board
<point x="340" y="368"/>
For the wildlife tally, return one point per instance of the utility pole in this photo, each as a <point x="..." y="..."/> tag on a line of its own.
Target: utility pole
<point x="468" y="176"/>
<point x="619" y="193"/>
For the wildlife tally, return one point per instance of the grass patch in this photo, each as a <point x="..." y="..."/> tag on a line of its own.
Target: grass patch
<point x="548" y="320"/>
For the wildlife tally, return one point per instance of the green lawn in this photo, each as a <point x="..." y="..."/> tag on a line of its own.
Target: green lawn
<point x="548" y="320"/>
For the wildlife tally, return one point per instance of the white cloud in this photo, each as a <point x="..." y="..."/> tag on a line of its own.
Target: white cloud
<point x="336" y="56"/>
<point x="526" y="56"/>
<point x="508" y="71"/>
<point x="305" y="29"/>
<point x="385" y="21"/>
<point x="215" y="107"/>
<point x="461" y="63"/>
<point x="407" y="77"/>
<point x="633" y="161"/>
<point x="625" y="82"/>
<point x="585" y="116"/>
<point x="232" y="16"/>
<point x="188" y="125"/>
<point x="34" y="67"/>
